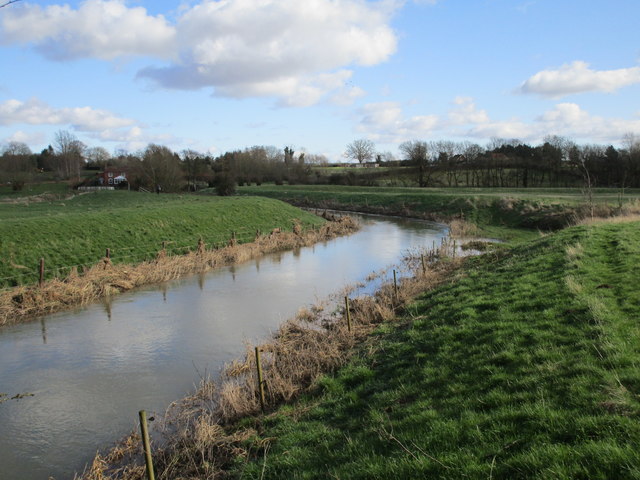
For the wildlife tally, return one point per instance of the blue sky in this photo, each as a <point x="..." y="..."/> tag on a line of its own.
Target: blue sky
<point x="221" y="75"/>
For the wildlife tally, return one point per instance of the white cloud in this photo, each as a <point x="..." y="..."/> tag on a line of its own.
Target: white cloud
<point x="385" y="122"/>
<point x="36" y="112"/>
<point x="134" y="138"/>
<point x="104" y="29"/>
<point x="577" y="77"/>
<point x="565" y="119"/>
<point x="297" y="51"/>
<point x="285" y="48"/>
<point x="30" y="138"/>
<point x="466" y="112"/>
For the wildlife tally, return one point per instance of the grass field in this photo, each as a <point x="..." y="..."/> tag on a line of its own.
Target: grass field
<point x="77" y="231"/>
<point x="524" y="366"/>
<point x="529" y="208"/>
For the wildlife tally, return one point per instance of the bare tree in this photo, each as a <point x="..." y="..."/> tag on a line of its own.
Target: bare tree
<point x="415" y="151"/>
<point x="17" y="164"/>
<point x="361" y="150"/>
<point x="69" y="153"/>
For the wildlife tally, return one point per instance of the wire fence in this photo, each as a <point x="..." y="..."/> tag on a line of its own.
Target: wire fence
<point x="30" y="275"/>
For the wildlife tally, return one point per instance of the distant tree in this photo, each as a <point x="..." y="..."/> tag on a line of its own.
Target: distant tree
<point x="415" y="152"/>
<point x="69" y="157"/>
<point x="97" y="157"/>
<point x="160" y="167"/>
<point x="17" y="164"/>
<point x="195" y="167"/>
<point x="362" y="150"/>
<point x="225" y="184"/>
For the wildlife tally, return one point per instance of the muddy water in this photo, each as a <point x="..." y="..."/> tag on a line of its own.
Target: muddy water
<point x="92" y="369"/>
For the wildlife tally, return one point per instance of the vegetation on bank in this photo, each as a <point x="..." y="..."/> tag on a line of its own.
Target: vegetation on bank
<point x="75" y="231"/>
<point x="524" y="366"/>
<point x="543" y="209"/>
<point x="520" y="363"/>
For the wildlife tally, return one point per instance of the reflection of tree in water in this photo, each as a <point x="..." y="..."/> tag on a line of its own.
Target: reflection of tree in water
<point x="107" y="307"/>
<point x="201" y="277"/>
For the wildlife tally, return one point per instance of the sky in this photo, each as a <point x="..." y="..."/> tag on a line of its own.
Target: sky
<point x="215" y="76"/>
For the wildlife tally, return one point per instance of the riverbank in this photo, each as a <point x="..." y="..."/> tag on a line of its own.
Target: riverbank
<point x="516" y="364"/>
<point x="106" y="278"/>
<point x="75" y="232"/>
<point x="502" y="213"/>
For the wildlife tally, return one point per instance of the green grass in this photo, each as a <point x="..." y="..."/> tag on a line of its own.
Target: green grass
<point x="525" y="366"/>
<point x="526" y="208"/>
<point x="77" y="231"/>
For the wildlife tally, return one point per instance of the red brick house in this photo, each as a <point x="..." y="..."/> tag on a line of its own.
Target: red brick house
<point x="112" y="176"/>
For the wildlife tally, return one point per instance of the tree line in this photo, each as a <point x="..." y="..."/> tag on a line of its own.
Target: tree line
<point x="557" y="162"/>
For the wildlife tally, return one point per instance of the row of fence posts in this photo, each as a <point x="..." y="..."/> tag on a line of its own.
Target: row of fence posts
<point x="41" y="268"/>
<point x="261" y="381"/>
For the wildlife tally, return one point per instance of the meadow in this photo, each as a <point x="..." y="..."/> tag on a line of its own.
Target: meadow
<point x="74" y="231"/>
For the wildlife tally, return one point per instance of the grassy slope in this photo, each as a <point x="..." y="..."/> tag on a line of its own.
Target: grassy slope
<point x="530" y="208"/>
<point x="77" y="231"/>
<point x="524" y="367"/>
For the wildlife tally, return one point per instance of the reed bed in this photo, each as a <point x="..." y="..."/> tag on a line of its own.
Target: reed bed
<point x="205" y="433"/>
<point x="105" y="279"/>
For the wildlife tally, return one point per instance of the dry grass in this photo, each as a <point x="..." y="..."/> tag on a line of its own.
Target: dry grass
<point x="460" y="229"/>
<point x="201" y="432"/>
<point x="105" y="279"/>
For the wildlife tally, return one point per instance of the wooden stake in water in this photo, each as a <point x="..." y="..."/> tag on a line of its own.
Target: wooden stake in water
<point x="346" y="309"/>
<point x="41" y="281"/>
<point x="424" y="266"/>
<point x="260" y="379"/>
<point x="146" y="444"/>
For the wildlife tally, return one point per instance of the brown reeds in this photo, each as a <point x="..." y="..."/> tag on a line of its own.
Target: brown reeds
<point x="105" y="279"/>
<point x="202" y="432"/>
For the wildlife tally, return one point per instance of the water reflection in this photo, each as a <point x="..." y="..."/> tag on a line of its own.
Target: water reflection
<point x="91" y="370"/>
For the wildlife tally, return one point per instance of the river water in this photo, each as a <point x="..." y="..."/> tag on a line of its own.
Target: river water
<point x="92" y="369"/>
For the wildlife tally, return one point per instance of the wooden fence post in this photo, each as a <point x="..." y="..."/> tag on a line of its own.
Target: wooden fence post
<point x="108" y="253"/>
<point x="395" y="285"/>
<point x="260" y="379"/>
<point x="346" y="308"/>
<point x="146" y="444"/>
<point x="41" y="280"/>
<point x="424" y="267"/>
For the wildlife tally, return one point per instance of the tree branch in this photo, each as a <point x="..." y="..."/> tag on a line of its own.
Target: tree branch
<point x="8" y="3"/>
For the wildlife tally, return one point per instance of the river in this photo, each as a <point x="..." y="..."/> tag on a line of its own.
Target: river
<point x="87" y="372"/>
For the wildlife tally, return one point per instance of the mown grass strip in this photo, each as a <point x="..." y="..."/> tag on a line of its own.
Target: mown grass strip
<point x="525" y="366"/>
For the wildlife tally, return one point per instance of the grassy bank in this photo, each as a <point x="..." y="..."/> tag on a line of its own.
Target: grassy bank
<point x="545" y="209"/>
<point x="76" y="231"/>
<point x="519" y="364"/>
<point x="525" y="366"/>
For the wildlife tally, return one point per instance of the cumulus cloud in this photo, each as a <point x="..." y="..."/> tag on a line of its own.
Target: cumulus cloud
<point x="577" y="77"/>
<point x="30" y="138"/>
<point x="104" y="29"/>
<point x="37" y="112"/>
<point x="385" y="122"/>
<point x="466" y="112"/>
<point x="299" y="52"/>
<point x="285" y="48"/>
<point x="566" y="119"/>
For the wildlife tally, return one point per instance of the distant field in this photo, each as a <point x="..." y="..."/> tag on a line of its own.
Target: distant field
<point x="547" y="208"/>
<point x="77" y="231"/>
